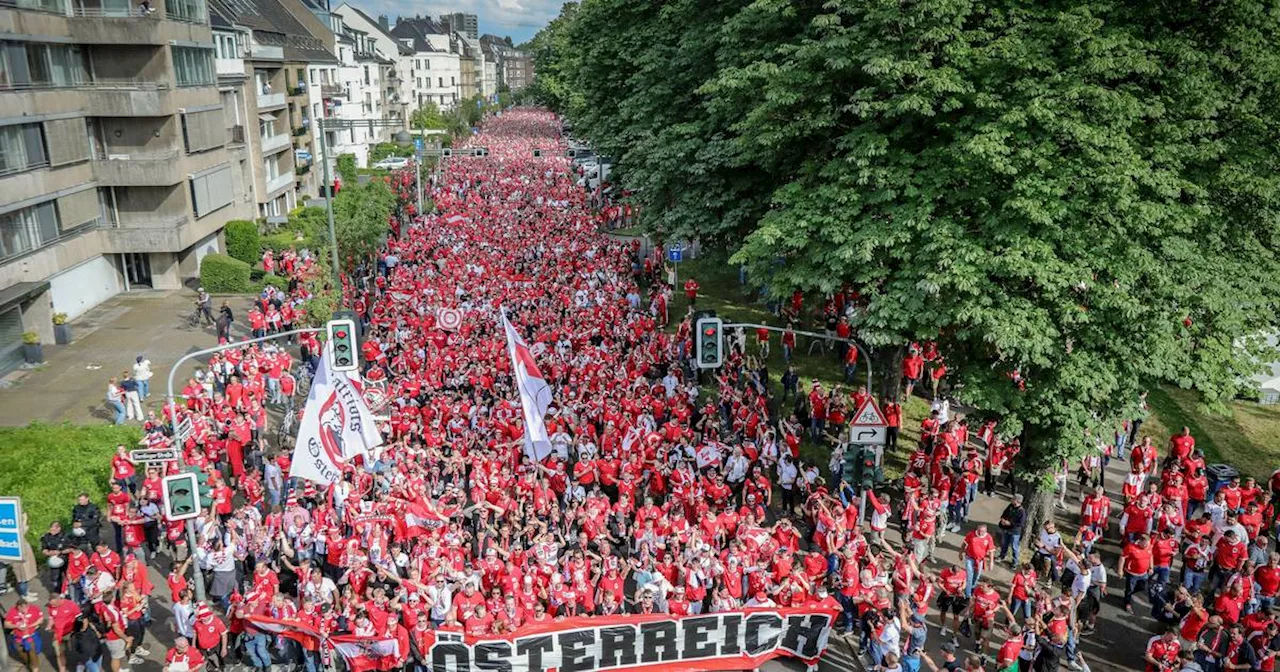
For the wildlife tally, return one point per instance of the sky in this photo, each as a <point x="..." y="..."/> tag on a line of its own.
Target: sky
<point x="518" y="18"/>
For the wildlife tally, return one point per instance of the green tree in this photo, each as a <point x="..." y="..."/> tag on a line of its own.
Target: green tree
<point x="427" y="117"/>
<point x="1083" y="192"/>
<point x="360" y="216"/>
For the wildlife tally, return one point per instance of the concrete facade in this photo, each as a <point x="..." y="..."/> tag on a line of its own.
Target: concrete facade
<point x="116" y="161"/>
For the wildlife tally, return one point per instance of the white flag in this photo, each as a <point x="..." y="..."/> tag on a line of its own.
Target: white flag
<point x="336" y="426"/>
<point x="535" y="394"/>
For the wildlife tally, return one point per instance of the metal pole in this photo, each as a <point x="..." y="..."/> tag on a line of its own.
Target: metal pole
<point x="328" y="206"/>
<point x="417" y="176"/>
<point x="198" y="578"/>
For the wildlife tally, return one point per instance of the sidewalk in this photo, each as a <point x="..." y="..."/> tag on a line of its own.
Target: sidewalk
<point x="72" y="383"/>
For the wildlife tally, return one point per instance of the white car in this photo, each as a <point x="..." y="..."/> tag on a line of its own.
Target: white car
<point x="392" y="163"/>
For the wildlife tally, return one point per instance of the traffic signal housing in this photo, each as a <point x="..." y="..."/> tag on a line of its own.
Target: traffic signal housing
<point x="708" y="344"/>
<point x="181" y="496"/>
<point x="868" y="472"/>
<point x="537" y="153"/>
<point x="342" y="336"/>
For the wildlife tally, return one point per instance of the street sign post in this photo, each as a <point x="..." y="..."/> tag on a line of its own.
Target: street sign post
<point x="11" y="529"/>
<point x="153" y="456"/>
<point x="868" y="427"/>
<point x="675" y="255"/>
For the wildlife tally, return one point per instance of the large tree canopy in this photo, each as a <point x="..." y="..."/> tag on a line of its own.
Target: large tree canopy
<point x="1085" y="192"/>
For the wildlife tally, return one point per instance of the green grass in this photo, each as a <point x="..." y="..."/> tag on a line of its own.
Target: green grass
<point x="720" y="291"/>
<point x="1248" y="438"/>
<point x="49" y="465"/>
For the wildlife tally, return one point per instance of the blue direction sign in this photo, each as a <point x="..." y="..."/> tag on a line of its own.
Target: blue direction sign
<point x="10" y="529"/>
<point x="675" y="254"/>
<point x="418" y="144"/>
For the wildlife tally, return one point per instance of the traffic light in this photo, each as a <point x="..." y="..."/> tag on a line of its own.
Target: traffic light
<point x="851" y="472"/>
<point x="709" y="343"/>
<point x="204" y="485"/>
<point x="181" y="495"/>
<point x="446" y="153"/>
<point x="867" y="476"/>
<point x="480" y="151"/>
<point x="342" y="334"/>
<point x="573" y="153"/>
<point x="537" y="153"/>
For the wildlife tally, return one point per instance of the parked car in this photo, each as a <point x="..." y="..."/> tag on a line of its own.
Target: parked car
<point x="392" y="163"/>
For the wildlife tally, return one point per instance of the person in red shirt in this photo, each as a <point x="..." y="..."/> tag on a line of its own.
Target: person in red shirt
<point x="184" y="654"/>
<point x="893" y="424"/>
<point x="912" y="369"/>
<point x="1135" y="562"/>
<point x="976" y="552"/>
<point x="951" y="597"/>
<point x="1162" y="651"/>
<point x="211" y="635"/>
<point x="691" y="287"/>
<point x="984" y="606"/>
<point x="1228" y="555"/>
<point x="23" y="622"/>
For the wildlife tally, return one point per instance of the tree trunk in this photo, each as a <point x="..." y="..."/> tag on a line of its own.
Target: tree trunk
<point x="1034" y="480"/>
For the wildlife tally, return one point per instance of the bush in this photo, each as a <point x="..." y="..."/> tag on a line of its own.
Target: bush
<point x="220" y="274"/>
<point x="280" y="240"/>
<point x="272" y="280"/>
<point x="347" y="168"/>
<point x="243" y="241"/>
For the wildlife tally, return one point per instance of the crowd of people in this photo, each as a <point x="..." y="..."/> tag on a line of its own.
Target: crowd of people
<point x="656" y="499"/>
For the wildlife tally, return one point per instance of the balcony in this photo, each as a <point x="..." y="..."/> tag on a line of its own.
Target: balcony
<point x="332" y="91"/>
<point x="229" y="67"/>
<point x="235" y="135"/>
<point x="138" y="170"/>
<point x="128" y="98"/>
<point x="266" y="52"/>
<point x="270" y="101"/>
<point x="299" y="90"/>
<point x="121" y="24"/>
<point x="275" y="143"/>
<point x="278" y="183"/>
<point x="146" y="233"/>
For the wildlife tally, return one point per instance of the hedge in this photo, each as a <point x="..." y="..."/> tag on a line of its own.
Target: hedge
<point x="243" y="241"/>
<point x="220" y="274"/>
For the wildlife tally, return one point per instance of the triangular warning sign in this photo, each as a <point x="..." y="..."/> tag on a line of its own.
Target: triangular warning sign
<point x="869" y="415"/>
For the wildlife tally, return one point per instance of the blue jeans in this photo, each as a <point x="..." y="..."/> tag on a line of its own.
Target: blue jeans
<point x="257" y="649"/>
<point x="1010" y="539"/>
<point x="1020" y="606"/>
<point x="94" y="665"/>
<point x="973" y="572"/>
<point x="119" y="409"/>
<point x="144" y="389"/>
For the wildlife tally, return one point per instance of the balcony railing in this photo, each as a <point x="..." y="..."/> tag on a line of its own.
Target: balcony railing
<point x="35" y="165"/>
<point x="275" y="143"/>
<point x="270" y="100"/>
<point x="280" y="182"/>
<point x="235" y="135"/>
<point x="267" y="52"/>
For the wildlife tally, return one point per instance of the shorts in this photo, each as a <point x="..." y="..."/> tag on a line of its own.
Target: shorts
<point x="115" y="647"/>
<point x="955" y="604"/>
<point x="982" y="626"/>
<point x="32" y="643"/>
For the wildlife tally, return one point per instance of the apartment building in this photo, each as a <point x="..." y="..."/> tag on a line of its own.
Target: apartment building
<point x="265" y="53"/>
<point x="114" y="166"/>
<point x="510" y="66"/>
<point x="461" y="22"/>
<point x="400" y="82"/>
<point x="436" y="71"/>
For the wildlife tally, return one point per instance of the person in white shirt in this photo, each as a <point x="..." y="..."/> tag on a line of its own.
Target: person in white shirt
<point x="142" y="374"/>
<point x="787" y="474"/>
<point x="736" y="468"/>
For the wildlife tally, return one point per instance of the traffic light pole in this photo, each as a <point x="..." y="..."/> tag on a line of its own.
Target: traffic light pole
<point x="197" y="577"/>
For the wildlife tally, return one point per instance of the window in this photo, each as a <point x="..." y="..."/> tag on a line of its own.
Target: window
<point x="366" y="75"/>
<point x="191" y="11"/>
<point x="28" y="229"/>
<point x="266" y="126"/>
<point x="211" y="191"/>
<point x="21" y="148"/>
<point x="193" y="66"/>
<point x="440" y="82"/>
<point x="39" y="65"/>
<point x="54" y="6"/>
<point x="453" y="81"/>
<point x="228" y="46"/>
<point x="428" y="64"/>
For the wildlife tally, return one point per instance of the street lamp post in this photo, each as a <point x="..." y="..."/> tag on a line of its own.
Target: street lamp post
<point x="331" y="124"/>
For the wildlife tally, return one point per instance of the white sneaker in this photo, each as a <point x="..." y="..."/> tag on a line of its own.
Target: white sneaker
<point x="945" y="631"/>
<point x="142" y="652"/>
<point x="135" y="660"/>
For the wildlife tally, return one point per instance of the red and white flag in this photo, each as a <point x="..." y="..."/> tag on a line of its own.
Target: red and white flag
<point x="289" y="628"/>
<point x="535" y="394"/>
<point x="708" y="455"/>
<point x="368" y="653"/>
<point x="419" y="519"/>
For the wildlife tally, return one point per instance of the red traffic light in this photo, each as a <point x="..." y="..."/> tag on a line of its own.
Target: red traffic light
<point x="709" y="331"/>
<point x="340" y="334"/>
